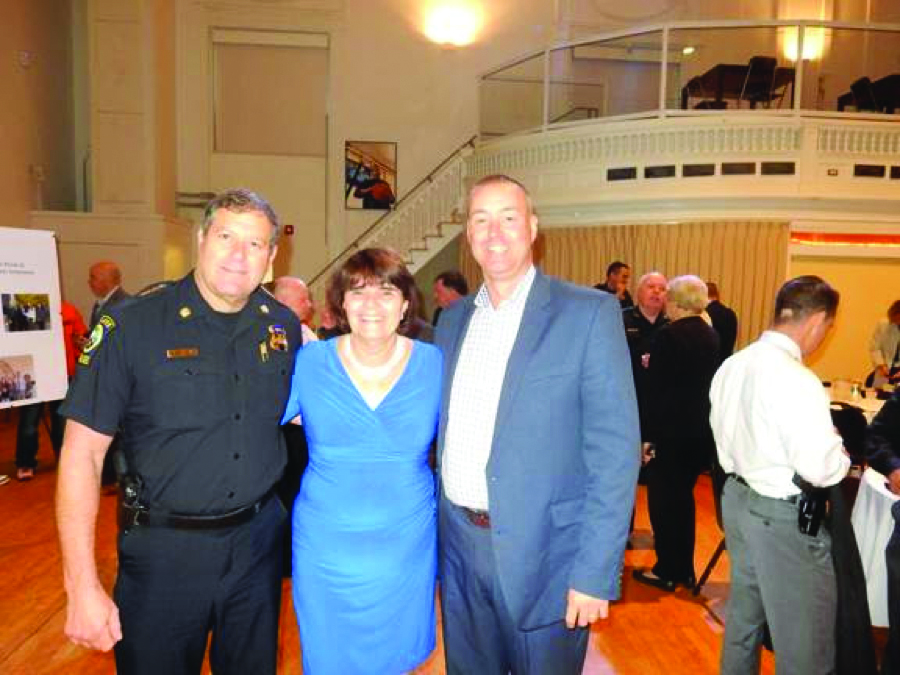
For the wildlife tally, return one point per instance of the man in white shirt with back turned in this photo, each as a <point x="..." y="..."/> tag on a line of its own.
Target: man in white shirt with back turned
<point x="771" y="420"/>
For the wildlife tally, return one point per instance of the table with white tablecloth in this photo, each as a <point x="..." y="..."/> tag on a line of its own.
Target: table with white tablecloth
<point x="873" y="526"/>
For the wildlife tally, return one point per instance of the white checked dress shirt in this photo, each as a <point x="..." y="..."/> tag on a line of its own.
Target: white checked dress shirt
<point x="475" y="394"/>
<point x="770" y="416"/>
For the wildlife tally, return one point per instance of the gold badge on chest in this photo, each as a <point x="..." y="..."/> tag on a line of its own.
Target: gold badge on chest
<point x="278" y="340"/>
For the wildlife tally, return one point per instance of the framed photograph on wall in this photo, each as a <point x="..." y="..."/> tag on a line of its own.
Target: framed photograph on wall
<point x="370" y="175"/>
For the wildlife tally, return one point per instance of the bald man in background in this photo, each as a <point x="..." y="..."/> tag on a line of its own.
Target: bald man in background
<point x="293" y="293"/>
<point x="105" y="282"/>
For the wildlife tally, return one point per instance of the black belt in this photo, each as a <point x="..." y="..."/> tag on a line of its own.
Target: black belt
<point x="478" y="518"/>
<point x="136" y="515"/>
<point x="791" y="499"/>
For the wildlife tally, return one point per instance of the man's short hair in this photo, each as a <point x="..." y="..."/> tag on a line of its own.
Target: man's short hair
<point x="614" y="268"/>
<point x="241" y="200"/>
<point x="453" y="279"/>
<point x="894" y="312"/>
<point x="500" y="179"/>
<point x="800" y="298"/>
<point x="372" y="266"/>
<point x="713" y="290"/>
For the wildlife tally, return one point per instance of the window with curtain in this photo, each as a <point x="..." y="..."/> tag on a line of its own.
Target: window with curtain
<point x="271" y="93"/>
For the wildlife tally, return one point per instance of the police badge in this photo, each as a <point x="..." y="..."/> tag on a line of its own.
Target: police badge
<point x="278" y="340"/>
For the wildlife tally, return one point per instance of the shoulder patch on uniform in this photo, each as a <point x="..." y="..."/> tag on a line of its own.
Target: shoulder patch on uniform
<point x="105" y="325"/>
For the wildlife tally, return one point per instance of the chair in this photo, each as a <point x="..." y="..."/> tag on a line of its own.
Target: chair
<point x="718" y="483"/>
<point x="695" y="89"/>
<point x="851" y="424"/>
<point x="864" y="96"/>
<point x="758" y="82"/>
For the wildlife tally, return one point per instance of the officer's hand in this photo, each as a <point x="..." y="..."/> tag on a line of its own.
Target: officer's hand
<point x="92" y="619"/>
<point x="583" y="610"/>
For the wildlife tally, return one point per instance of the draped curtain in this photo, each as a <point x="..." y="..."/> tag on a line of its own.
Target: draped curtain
<point x="747" y="259"/>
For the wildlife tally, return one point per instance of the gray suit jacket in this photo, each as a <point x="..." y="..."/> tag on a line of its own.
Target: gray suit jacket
<point x="565" y="455"/>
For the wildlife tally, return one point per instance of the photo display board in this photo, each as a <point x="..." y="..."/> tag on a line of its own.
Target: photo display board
<point x="32" y="354"/>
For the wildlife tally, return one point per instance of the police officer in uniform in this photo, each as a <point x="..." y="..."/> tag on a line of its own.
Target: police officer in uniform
<point x="195" y="376"/>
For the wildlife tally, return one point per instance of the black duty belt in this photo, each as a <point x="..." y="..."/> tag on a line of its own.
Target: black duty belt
<point x="791" y="499"/>
<point x="139" y="516"/>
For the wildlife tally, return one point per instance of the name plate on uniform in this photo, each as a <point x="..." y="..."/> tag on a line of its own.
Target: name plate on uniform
<point x="189" y="353"/>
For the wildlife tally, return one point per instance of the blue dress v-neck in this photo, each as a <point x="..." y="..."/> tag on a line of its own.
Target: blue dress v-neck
<point x="364" y="533"/>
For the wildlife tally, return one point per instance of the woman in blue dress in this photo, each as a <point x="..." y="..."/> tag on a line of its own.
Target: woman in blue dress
<point x="364" y="534"/>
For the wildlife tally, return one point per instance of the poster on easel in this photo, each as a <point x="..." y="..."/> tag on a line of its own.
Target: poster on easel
<point x="32" y="355"/>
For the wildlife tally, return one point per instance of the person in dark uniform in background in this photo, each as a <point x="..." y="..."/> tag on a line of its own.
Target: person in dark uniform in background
<point x="618" y="276"/>
<point x="641" y="325"/>
<point x="196" y="376"/>
<point x="724" y="320"/>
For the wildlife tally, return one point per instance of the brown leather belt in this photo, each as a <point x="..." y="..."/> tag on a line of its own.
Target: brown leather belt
<point x="478" y="518"/>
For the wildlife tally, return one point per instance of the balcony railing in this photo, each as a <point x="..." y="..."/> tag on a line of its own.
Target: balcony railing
<point x="692" y="68"/>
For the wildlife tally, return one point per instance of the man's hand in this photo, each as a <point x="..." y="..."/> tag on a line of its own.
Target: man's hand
<point x="893" y="481"/>
<point x="583" y="610"/>
<point x="92" y="619"/>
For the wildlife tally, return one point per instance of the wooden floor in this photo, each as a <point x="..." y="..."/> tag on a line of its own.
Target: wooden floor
<point x="649" y="631"/>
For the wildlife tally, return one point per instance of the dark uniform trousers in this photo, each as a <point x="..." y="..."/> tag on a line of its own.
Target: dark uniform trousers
<point x="480" y="636"/>
<point x="174" y="586"/>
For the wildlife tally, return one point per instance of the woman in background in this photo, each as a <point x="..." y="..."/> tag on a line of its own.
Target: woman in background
<point x="683" y="360"/>
<point x="364" y="534"/>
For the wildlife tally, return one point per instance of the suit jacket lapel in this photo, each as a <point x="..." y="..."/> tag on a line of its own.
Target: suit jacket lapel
<point x="532" y="327"/>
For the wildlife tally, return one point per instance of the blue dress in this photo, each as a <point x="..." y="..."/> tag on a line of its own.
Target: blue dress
<point x="364" y="533"/>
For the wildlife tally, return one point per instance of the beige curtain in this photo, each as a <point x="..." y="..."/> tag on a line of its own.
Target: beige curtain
<point x="747" y="259"/>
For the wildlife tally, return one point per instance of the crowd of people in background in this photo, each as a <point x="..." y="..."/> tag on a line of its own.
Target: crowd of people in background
<point x="25" y="316"/>
<point x="17" y="386"/>
<point x="620" y="386"/>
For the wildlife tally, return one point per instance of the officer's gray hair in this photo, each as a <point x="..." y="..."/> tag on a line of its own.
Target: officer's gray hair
<point x="241" y="200"/>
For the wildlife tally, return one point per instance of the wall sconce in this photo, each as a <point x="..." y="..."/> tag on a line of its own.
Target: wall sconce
<point x="453" y="22"/>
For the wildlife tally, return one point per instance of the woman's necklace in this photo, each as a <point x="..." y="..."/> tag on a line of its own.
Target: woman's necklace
<point x="379" y="372"/>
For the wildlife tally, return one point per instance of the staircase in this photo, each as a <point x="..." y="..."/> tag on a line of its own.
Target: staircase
<point x="422" y="222"/>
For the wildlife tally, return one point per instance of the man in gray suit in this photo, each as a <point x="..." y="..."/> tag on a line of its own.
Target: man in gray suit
<point x="538" y="454"/>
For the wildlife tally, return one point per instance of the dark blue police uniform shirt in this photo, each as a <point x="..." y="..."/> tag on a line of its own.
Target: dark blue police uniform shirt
<point x="196" y="398"/>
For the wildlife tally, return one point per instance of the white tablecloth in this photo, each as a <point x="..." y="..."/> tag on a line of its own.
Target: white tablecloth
<point x="873" y="526"/>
